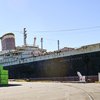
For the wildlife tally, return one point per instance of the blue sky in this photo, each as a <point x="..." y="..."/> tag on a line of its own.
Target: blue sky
<point x="51" y="15"/>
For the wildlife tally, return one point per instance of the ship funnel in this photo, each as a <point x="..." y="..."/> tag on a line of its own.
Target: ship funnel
<point x="41" y="43"/>
<point x="8" y="41"/>
<point x="34" y="41"/>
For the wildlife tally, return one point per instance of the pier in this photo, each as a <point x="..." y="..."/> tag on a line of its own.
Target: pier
<point x="50" y="90"/>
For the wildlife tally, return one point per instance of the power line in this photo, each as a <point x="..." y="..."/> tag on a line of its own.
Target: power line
<point x="73" y="29"/>
<point x="62" y="30"/>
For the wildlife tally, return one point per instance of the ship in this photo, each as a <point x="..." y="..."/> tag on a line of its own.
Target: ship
<point x="24" y="62"/>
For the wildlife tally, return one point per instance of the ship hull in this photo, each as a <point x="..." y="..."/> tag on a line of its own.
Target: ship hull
<point x="87" y="64"/>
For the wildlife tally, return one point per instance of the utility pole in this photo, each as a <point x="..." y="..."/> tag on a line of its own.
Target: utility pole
<point x="25" y="36"/>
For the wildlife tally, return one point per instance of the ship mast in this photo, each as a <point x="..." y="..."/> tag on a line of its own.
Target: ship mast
<point x="25" y="36"/>
<point x="58" y="44"/>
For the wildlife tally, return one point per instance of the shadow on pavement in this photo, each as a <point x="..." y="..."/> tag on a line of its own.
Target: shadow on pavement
<point x="10" y="85"/>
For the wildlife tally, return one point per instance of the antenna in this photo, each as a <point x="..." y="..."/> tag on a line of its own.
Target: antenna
<point x="25" y="36"/>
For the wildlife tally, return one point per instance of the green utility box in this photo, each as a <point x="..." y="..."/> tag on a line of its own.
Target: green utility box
<point x="3" y="76"/>
<point x="4" y="72"/>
